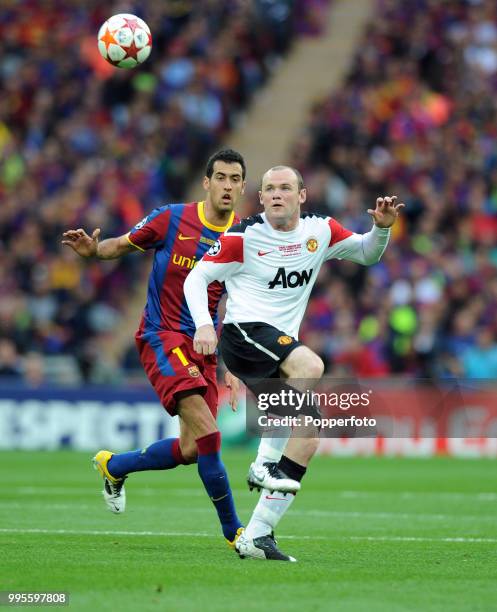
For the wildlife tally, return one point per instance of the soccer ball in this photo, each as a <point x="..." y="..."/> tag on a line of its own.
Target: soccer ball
<point x="124" y="40"/>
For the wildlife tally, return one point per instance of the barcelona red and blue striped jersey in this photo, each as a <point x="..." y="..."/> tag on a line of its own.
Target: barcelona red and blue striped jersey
<point x="180" y="235"/>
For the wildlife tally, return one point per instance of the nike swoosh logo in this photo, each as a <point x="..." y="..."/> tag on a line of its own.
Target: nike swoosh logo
<point x="181" y="237"/>
<point x="215" y="499"/>
<point x="262" y="253"/>
<point x="278" y="498"/>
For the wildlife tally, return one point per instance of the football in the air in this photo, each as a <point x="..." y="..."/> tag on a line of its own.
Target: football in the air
<point x="124" y="40"/>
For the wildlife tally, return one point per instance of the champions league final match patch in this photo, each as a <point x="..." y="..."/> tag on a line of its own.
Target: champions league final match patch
<point x="285" y="340"/>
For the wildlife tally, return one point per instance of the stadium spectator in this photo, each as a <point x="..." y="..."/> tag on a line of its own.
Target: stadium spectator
<point x="84" y="145"/>
<point x="480" y="361"/>
<point x="10" y="363"/>
<point x="416" y="116"/>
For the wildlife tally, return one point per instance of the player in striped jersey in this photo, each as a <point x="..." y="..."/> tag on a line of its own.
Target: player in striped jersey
<point x="185" y="381"/>
<point x="269" y="264"/>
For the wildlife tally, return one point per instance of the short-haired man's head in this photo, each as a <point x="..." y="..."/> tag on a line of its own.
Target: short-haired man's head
<point x="228" y="156"/>
<point x="298" y="176"/>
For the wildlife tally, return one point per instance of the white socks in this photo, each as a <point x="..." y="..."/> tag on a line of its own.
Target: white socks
<point x="268" y="513"/>
<point x="272" y="445"/>
<point x="271" y="506"/>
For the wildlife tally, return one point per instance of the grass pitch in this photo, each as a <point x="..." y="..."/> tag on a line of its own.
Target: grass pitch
<point x="369" y="534"/>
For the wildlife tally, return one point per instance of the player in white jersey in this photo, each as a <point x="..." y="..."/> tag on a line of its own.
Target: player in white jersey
<point x="269" y="264"/>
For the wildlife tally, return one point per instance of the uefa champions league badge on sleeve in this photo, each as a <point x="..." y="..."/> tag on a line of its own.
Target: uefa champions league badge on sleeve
<point x="215" y="249"/>
<point x="141" y="223"/>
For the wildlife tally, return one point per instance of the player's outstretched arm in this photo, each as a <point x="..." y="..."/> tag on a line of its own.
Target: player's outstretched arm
<point x="386" y="212"/>
<point x="366" y="249"/>
<point x="90" y="246"/>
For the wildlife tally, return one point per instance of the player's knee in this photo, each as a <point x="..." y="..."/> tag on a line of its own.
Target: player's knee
<point x="314" y="367"/>
<point x="303" y="363"/>
<point x="311" y="366"/>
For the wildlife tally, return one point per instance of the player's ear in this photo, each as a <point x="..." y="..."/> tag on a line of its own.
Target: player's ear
<point x="302" y="196"/>
<point x="206" y="183"/>
<point x="244" y="184"/>
<point x="260" y="199"/>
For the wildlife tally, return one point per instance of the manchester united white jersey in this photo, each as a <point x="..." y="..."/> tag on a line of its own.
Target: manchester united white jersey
<point x="269" y="274"/>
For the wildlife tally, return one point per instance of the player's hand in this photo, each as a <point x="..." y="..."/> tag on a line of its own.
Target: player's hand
<point x="81" y="243"/>
<point x="233" y="384"/>
<point x="205" y="340"/>
<point x="386" y="211"/>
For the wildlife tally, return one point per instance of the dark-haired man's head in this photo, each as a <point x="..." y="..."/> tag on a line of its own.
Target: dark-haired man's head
<point x="224" y="180"/>
<point x="228" y="156"/>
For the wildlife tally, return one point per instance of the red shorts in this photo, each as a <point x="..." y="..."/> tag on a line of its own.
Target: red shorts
<point x="173" y="366"/>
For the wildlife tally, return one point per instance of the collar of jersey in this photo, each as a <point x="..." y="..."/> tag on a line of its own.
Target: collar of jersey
<point x="216" y="228"/>
<point x="290" y="235"/>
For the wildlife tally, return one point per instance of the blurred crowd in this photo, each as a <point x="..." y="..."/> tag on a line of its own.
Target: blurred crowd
<point x="86" y="145"/>
<point x="416" y="117"/>
<point x="83" y="144"/>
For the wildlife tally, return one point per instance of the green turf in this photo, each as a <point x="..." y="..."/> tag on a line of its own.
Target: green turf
<point x="369" y="534"/>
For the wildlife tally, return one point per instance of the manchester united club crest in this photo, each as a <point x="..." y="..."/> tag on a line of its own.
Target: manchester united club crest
<point x="312" y="245"/>
<point x="285" y="340"/>
<point x="194" y="371"/>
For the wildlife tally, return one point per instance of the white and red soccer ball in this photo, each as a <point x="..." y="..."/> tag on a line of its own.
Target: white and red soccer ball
<point x="124" y="40"/>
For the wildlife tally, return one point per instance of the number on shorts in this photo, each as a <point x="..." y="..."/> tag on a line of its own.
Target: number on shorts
<point x="179" y="353"/>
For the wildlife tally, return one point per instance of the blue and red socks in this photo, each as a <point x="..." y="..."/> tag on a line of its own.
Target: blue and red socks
<point x="213" y="474"/>
<point x="166" y="455"/>
<point x="161" y="455"/>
